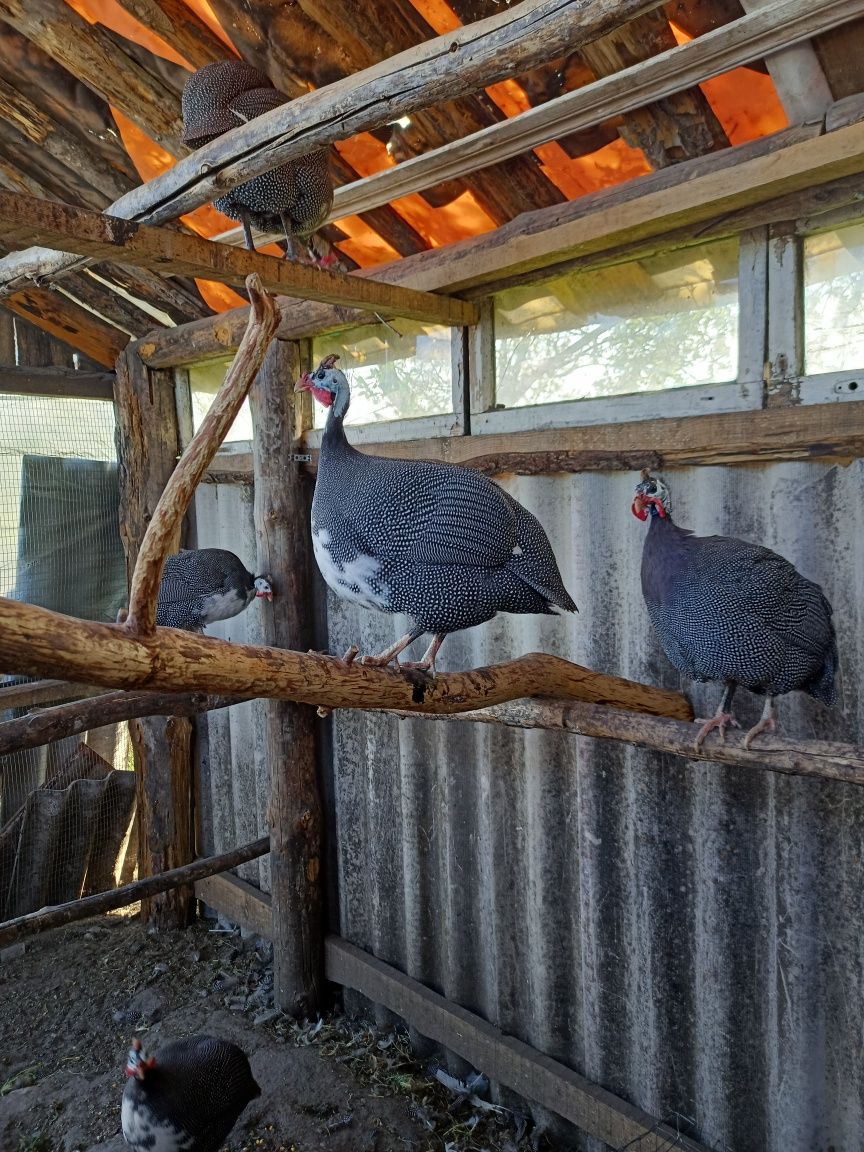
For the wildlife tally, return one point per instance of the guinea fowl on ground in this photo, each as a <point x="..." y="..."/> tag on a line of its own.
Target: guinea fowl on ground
<point x="188" y="1097"/>
<point x="199" y="587"/>
<point x="441" y="543"/>
<point x="735" y="612"/>
<point x="296" y="196"/>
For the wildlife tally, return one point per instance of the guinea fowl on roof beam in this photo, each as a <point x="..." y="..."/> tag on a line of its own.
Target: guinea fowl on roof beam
<point x="441" y="70"/>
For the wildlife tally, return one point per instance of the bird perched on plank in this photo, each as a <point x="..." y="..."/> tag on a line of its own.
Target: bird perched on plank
<point x="296" y="196"/>
<point x="202" y="586"/>
<point x="188" y="1097"/>
<point x="735" y="612"/>
<point x="436" y="541"/>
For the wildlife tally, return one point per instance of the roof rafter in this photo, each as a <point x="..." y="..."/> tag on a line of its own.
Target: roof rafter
<point x="25" y="219"/>
<point x="437" y="71"/>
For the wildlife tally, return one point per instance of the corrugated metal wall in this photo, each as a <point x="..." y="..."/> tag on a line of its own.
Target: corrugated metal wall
<point x="686" y="934"/>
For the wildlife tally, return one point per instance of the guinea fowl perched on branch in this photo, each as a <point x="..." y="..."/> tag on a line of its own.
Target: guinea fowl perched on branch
<point x="441" y="543"/>
<point x="203" y="586"/>
<point x="296" y="196"/>
<point x="732" y="611"/>
<point x="188" y="1097"/>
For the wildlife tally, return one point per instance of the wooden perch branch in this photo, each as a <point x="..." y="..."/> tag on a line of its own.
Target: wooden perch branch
<point x="39" y="642"/>
<point x="41" y="692"/>
<point x="829" y="760"/>
<point x="49" y="724"/>
<point x="172" y="506"/>
<point x="55" y="917"/>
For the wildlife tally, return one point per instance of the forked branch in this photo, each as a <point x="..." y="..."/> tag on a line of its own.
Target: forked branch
<point x="175" y="500"/>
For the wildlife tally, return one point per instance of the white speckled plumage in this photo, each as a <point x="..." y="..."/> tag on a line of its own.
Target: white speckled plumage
<point x="199" y="587"/>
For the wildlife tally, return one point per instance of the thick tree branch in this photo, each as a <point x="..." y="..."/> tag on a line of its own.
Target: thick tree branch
<point x="39" y="642"/>
<point x="175" y="500"/>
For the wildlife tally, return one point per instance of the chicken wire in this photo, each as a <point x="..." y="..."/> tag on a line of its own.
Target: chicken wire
<point x="66" y="808"/>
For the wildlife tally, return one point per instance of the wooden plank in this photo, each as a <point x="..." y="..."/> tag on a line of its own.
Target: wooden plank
<point x="281" y="505"/>
<point x="239" y="902"/>
<point x="57" y="382"/>
<point x="785" y="359"/>
<point x="730" y="46"/>
<point x="752" y="306"/>
<point x="502" y="1058"/>
<point x="148" y="449"/>
<point x="27" y="220"/>
<point x="481" y="361"/>
<point x="798" y="76"/>
<point x="92" y="55"/>
<point x="441" y="70"/>
<point x="41" y="692"/>
<point x="75" y="326"/>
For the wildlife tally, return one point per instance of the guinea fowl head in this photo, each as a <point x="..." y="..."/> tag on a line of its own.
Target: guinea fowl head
<point x="137" y="1064"/>
<point x="264" y="587"/>
<point x="328" y="385"/>
<point x="651" y="498"/>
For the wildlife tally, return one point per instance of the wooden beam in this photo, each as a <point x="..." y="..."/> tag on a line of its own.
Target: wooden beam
<point x="650" y="201"/>
<point x="730" y="46"/>
<point x="27" y="220"/>
<point x="239" y="902"/>
<point x="93" y="56"/>
<point x="74" y="325"/>
<point x="798" y="76"/>
<point x="443" y="69"/>
<point x="36" y="641"/>
<point x="41" y="692"/>
<point x="287" y="731"/>
<point x="505" y="1059"/>
<point x="57" y="382"/>
<point x="143" y="889"/>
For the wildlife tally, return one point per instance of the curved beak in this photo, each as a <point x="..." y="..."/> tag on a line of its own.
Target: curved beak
<point x="264" y="596"/>
<point x="638" y="507"/>
<point x="304" y="384"/>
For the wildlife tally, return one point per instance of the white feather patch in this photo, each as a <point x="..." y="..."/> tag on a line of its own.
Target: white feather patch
<point x="355" y="580"/>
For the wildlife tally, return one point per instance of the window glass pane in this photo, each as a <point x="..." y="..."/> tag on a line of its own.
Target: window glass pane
<point x="397" y="370"/>
<point x="833" y="300"/>
<point x="205" y="380"/>
<point x="662" y="322"/>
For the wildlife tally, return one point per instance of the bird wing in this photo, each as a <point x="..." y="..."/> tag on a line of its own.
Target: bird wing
<point x="442" y="515"/>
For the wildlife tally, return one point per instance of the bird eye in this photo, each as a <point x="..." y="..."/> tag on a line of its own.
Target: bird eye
<point x="319" y="375"/>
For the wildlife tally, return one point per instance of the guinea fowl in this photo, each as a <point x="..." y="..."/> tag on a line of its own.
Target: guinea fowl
<point x="297" y="195"/>
<point x="735" y="612"/>
<point x="188" y="1097"/>
<point x="203" y="586"/>
<point x="441" y="543"/>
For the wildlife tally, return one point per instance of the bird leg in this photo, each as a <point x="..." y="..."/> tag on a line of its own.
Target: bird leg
<point x="384" y="658"/>
<point x="427" y="664"/>
<point x="721" y="719"/>
<point x="247" y="230"/>
<point x="767" y="722"/>
<point x="290" y="247"/>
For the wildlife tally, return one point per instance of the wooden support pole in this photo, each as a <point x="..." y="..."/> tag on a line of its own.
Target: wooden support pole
<point x="149" y="445"/>
<point x="146" y="888"/>
<point x="281" y="509"/>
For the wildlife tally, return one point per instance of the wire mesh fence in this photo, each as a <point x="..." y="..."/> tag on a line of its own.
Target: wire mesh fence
<point x="66" y="809"/>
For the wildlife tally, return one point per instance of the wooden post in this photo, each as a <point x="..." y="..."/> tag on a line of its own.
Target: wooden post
<point x="282" y="531"/>
<point x="148" y="446"/>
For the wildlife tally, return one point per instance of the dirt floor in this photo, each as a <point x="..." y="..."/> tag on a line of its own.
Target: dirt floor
<point x="71" y="1001"/>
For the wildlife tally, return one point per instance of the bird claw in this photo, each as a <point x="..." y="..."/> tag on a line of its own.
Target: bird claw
<point x="766" y="724"/>
<point x="419" y="666"/>
<point x="721" y="721"/>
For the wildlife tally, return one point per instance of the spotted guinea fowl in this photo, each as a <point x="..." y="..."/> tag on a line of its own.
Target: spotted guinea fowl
<point x="441" y="543"/>
<point x="735" y="612"/>
<point x="203" y="586"/>
<point x="297" y="195"/>
<point x="188" y="1097"/>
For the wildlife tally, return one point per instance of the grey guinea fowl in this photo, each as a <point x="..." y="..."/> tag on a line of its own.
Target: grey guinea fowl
<point x="188" y="1097"/>
<point x="735" y="612"/>
<point x="297" y="195"/>
<point x="203" y="586"/>
<point x="441" y="543"/>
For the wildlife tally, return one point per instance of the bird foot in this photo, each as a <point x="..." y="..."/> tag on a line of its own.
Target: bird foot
<point x="351" y="655"/>
<point x="419" y="666"/>
<point x="766" y="724"/>
<point x="721" y="721"/>
<point x="380" y="661"/>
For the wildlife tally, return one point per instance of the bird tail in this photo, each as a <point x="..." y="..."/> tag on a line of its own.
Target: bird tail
<point x="822" y="686"/>
<point x="536" y="564"/>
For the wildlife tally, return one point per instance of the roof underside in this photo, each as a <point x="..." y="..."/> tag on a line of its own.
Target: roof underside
<point x="85" y="136"/>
